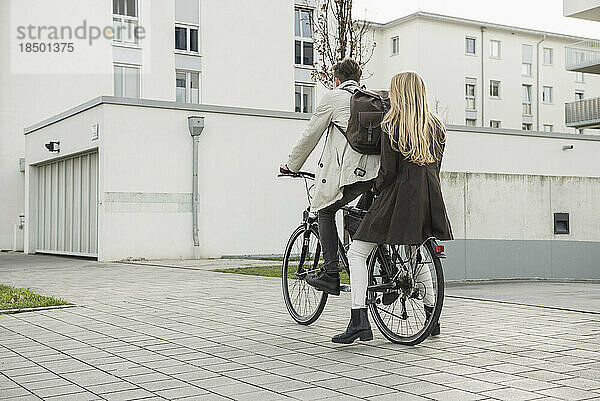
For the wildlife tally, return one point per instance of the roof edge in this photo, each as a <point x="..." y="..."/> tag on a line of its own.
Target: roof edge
<point x="478" y="23"/>
<point x="119" y="101"/>
<point x="207" y="108"/>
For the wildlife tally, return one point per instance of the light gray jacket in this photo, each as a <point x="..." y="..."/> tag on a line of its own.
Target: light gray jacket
<point x="338" y="163"/>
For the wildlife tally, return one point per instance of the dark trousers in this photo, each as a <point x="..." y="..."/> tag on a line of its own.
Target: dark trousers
<point x="328" y="235"/>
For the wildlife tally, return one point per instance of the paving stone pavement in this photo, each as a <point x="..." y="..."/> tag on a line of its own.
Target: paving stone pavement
<point x="146" y="332"/>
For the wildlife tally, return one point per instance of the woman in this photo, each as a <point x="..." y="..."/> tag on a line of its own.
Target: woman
<point x="409" y="207"/>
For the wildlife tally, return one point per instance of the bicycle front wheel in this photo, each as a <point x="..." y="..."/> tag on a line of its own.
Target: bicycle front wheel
<point x="302" y="256"/>
<point x="406" y="291"/>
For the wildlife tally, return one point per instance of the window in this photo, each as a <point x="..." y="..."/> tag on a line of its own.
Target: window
<point x="187" y="86"/>
<point x="470" y="96"/>
<point x="470" y="45"/>
<point x="548" y="56"/>
<point x="579" y="77"/>
<point x="494" y="124"/>
<point x="180" y="38"/>
<point x="303" y="44"/>
<point x="526" y="126"/>
<point x="495" y="89"/>
<point x="395" y="45"/>
<point x="127" y="81"/>
<point x="548" y="127"/>
<point x="125" y="21"/>
<point x="495" y="48"/>
<point x="578" y="95"/>
<point x="307" y="53"/>
<point x="527" y="60"/>
<point x="186" y="38"/>
<point x="304" y="98"/>
<point x="470" y="122"/>
<point x="125" y="7"/>
<point x="526" y="100"/>
<point x="547" y="94"/>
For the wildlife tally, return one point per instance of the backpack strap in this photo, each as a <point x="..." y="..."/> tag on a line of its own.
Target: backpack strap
<point x="351" y="90"/>
<point x="336" y="125"/>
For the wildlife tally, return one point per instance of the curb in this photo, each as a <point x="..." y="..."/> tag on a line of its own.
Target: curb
<point x="203" y="269"/>
<point x="13" y="311"/>
<point x="498" y="301"/>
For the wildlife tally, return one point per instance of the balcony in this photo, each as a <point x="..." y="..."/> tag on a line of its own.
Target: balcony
<point x="583" y="56"/>
<point x="583" y="113"/>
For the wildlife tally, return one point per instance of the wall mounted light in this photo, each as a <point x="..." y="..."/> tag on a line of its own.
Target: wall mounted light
<point x="53" y="146"/>
<point x="196" y="125"/>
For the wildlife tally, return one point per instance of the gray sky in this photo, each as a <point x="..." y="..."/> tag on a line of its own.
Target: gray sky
<point x="544" y="15"/>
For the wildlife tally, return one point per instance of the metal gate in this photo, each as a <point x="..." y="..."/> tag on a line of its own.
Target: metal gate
<point x="68" y="206"/>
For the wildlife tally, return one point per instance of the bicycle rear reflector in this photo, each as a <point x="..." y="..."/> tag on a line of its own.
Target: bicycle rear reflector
<point x="439" y="249"/>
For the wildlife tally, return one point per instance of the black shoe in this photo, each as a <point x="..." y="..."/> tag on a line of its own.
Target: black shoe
<point x="358" y="327"/>
<point x="436" y="328"/>
<point x="325" y="281"/>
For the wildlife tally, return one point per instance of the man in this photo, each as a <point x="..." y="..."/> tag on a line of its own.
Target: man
<point x="342" y="174"/>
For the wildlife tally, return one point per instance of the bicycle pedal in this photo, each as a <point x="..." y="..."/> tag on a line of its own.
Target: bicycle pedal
<point x="345" y="288"/>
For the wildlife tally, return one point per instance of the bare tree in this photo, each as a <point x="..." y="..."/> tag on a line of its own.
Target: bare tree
<point x="440" y="110"/>
<point x="336" y="36"/>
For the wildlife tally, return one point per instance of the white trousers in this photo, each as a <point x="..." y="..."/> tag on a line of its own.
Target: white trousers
<point x="357" y="259"/>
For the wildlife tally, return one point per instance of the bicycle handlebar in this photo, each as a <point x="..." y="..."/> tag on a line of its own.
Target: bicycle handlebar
<point x="299" y="174"/>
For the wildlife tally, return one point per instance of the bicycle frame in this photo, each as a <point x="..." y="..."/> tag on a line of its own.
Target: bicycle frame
<point x="310" y="220"/>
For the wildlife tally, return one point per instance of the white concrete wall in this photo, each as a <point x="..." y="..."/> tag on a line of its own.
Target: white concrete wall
<point x="436" y="50"/>
<point x="158" y="61"/>
<point x="248" y="53"/>
<point x="485" y="151"/>
<point x="246" y="62"/>
<point x="498" y="186"/>
<point x="27" y="98"/>
<point x="520" y="207"/>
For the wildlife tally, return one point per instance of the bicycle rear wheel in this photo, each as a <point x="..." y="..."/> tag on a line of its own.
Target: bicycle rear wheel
<point x="406" y="291"/>
<point x="302" y="256"/>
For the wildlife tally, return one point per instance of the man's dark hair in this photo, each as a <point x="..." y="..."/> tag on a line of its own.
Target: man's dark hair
<point x="346" y="70"/>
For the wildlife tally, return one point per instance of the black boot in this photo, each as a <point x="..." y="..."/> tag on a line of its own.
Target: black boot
<point x="358" y="327"/>
<point x="436" y="328"/>
<point x="325" y="281"/>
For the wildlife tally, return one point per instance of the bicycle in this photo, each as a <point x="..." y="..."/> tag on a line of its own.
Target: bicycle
<point x="403" y="279"/>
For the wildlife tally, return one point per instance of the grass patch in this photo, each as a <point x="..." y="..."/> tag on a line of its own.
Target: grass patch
<point x="23" y="298"/>
<point x="271" y="271"/>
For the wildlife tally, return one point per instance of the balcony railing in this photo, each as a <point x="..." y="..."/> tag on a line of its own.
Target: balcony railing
<point x="583" y="113"/>
<point x="583" y="56"/>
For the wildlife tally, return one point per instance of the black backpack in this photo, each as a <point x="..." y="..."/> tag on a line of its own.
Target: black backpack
<point x="367" y="109"/>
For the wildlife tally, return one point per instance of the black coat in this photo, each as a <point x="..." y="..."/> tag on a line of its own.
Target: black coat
<point x="409" y="207"/>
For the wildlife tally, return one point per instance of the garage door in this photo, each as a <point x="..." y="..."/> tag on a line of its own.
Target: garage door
<point x="68" y="206"/>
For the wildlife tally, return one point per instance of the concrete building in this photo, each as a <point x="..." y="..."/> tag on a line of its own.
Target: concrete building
<point x="187" y="54"/>
<point x="515" y="212"/>
<point x="104" y="168"/>
<point x="583" y="57"/>
<point x="484" y="74"/>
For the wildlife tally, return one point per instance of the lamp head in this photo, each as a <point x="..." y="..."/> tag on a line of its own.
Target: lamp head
<point x="195" y="125"/>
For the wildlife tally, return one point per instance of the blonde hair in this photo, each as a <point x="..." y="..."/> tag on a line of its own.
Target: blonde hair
<point x="409" y="123"/>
